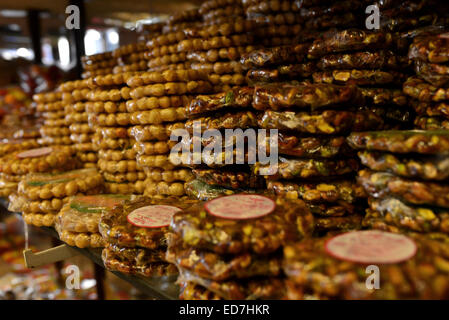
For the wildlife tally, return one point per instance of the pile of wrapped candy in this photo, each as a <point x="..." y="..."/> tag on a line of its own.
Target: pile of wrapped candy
<point x="406" y="179"/>
<point x="429" y="88"/>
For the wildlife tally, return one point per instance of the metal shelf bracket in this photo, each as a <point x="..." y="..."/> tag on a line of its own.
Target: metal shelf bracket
<point x="52" y="255"/>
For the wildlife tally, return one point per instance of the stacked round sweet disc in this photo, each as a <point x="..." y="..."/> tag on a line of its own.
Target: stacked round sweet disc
<point x="231" y="247"/>
<point x="285" y="22"/>
<point x="78" y="220"/>
<point x="315" y="163"/>
<point x="130" y="58"/>
<point x="156" y="109"/>
<point x="216" y="46"/>
<point x="107" y="115"/>
<point x="409" y="15"/>
<point x="40" y="196"/>
<point x="429" y="88"/>
<point x="98" y="64"/>
<point x="74" y="96"/>
<point x="135" y="236"/>
<point x="16" y="165"/>
<point x="219" y="165"/>
<point x="406" y="179"/>
<point x="369" y="60"/>
<point x="162" y="52"/>
<point x="8" y="182"/>
<point x="276" y="64"/>
<point x="335" y="267"/>
<point x="55" y="129"/>
<point x="180" y="21"/>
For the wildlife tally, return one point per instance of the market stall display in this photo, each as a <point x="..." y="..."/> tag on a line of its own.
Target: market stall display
<point x="147" y="163"/>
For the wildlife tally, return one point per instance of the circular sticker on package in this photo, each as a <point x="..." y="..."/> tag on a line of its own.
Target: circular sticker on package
<point x="156" y="216"/>
<point x="38" y="152"/>
<point x="240" y="206"/>
<point x="371" y="247"/>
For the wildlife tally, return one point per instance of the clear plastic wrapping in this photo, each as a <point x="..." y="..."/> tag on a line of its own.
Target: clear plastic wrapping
<point x="392" y="214"/>
<point x="407" y="141"/>
<point x="82" y="213"/>
<point x="383" y="184"/>
<point x="303" y="96"/>
<point x="326" y="122"/>
<point x="116" y="229"/>
<point x="290" y="221"/>
<point x="423" y="167"/>
<point x="309" y="266"/>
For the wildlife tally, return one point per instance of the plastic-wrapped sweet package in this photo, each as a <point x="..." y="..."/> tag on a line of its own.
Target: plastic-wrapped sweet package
<point x="324" y="225"/>
<point x="192" y="291"/>
<point x="306" y="168"/>
<point x="46" y="159"/>
<point x="325" y="122"/>
<point x="412" y="141"/>
<point x="431" y="123"/>
<point x="115" y="227"/>
<point x="383" y="59"/>
<point x="236" y="98"/>
<point x="46" y="185"/>
<point x="290" y="221"/>
<point x="423" y="91"/>
<point x="82" y="213"/>
<point x="350" y="40"/>
<point x="233" y="179"/>
<point x="393" y="215"/>
<point x="241" y="119"/>
<point x="335" y="269"/>
<point x="383" y="184"/>
<point x="281" y="73"/>
<point x="432" y="49"/>
<point x="263" y="288"/>
<point x="318" y="192"/>
<point x="139" y="262"/>
<point x="197" y="189"/>
<point x="436" y="74"/>
<point x="210" y="265"/>
<point x="424" y="167"/>
<point x="274" y="56"/>
<point x="305" y="96"/>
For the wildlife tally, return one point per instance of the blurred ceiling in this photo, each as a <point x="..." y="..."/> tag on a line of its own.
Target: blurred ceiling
<point x="13" y="23"/>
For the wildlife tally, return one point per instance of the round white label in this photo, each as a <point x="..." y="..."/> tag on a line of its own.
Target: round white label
<point x="33" y="153"/>
<point x="240" y="206"/>
<point x="371" y="247"/>
<point x="156" y="216"/>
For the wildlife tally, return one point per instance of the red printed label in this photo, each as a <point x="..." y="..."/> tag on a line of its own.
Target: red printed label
<point x="33" y="153"/>
<point x="240" y="206"/>
<point x="371" y="247"/>
<point x="156" y="216"/>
